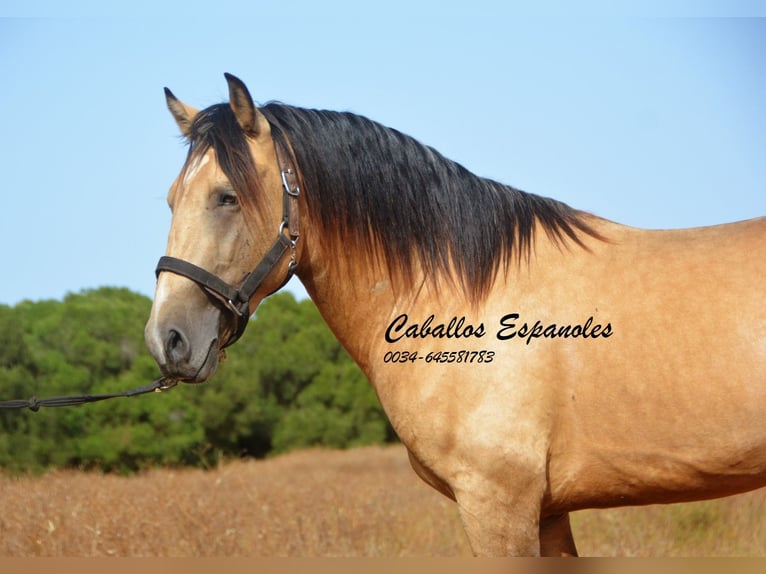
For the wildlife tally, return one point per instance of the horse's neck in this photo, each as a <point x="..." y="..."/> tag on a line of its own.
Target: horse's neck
<point x="359" y="299"/>
<point x="356" y="303"/>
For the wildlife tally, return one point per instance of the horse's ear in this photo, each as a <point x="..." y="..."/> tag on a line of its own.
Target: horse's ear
<point x="183" y="114"/>
<point x="252" y="122"/>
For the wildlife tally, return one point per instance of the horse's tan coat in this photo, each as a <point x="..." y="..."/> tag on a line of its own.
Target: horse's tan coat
<point x="670" y="407"/>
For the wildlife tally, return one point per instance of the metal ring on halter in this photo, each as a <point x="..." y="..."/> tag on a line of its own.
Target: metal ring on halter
<point x="293" y="241"/>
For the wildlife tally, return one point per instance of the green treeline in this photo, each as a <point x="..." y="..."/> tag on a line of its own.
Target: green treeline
<point x="286" y="384"/>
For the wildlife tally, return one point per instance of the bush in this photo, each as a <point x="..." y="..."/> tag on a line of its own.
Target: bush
<point x="288" y="383"/>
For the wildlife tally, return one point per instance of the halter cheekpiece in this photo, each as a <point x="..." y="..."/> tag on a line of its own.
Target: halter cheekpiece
<point x="237" y="300"/>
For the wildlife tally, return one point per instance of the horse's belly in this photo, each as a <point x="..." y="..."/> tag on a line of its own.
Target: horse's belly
<point x="633" y="452"/>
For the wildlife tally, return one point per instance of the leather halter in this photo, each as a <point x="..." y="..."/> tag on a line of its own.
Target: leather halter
<point x="237" y="300"/>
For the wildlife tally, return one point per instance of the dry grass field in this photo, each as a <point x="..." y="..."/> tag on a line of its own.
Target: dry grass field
<point x="362" y="502"/>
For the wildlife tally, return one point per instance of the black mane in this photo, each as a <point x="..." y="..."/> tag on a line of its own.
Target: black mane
<point x="378" y="190"/>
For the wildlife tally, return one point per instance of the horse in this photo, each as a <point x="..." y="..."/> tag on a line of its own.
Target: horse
<point x="534" y="359"/>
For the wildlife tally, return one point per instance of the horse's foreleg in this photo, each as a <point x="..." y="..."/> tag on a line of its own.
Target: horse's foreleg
<point x="500" y="525"/>
<point x="498" y="534"/>
<point x="556" y="536"/>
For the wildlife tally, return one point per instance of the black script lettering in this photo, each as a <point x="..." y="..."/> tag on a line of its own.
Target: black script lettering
<point x="550" y="331"/>
<point x="456" y="328"/>
<point x="412" y="331"/>
<point x="508" y="329"/>
<point x="426" y="326"/>
<point x="536" y="332"/>
<point x="564" y="331"/>
<point x="395" y="327"/>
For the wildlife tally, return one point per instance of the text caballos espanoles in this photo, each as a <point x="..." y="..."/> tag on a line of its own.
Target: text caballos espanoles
<point x="509" y="328"/>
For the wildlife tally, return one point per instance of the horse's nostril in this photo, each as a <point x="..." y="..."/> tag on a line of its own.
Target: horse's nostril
<point x="176" y="348"/>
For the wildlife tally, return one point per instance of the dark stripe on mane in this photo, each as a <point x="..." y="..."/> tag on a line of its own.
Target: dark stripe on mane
<point x="373" y="188"/>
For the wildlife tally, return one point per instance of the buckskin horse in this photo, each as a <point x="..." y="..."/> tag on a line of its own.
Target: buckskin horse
<point x="534" y="359"/>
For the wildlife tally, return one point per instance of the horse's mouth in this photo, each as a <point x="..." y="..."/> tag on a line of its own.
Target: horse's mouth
<point x="206" y="370"/>
<point x="209" y="366"/>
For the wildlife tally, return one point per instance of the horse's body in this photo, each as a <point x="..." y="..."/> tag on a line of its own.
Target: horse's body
<point x="638" y="378"/>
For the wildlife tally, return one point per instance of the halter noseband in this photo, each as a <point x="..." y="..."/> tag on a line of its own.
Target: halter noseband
<point x="237" y="300"/>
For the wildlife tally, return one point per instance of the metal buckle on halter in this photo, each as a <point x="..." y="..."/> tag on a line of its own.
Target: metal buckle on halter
<point x="288" y="190"/>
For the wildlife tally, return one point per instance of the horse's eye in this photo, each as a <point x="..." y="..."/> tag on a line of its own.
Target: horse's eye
<point x="227" y="199"/>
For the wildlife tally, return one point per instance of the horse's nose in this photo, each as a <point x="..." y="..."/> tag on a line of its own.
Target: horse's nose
<point x="184" y="343"/>
<point x="177" y="349"/>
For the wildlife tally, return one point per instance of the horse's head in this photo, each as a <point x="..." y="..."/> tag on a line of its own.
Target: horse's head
<point x="232" y="238"/>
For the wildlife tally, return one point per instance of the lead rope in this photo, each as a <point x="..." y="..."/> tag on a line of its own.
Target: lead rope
<point x="157" y="386"/>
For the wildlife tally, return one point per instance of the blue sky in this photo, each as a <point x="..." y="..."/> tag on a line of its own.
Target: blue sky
<point x="650" y="115"/>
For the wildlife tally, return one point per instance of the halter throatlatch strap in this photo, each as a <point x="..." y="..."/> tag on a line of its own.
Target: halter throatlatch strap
<point x="237" y="300"/>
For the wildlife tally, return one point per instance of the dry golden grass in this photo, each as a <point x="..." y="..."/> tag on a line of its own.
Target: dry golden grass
<point x="363" y="502"/>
